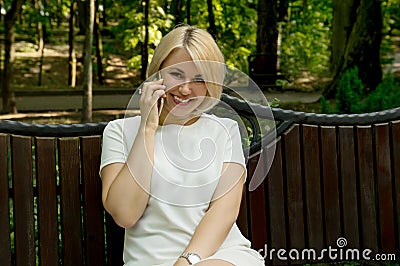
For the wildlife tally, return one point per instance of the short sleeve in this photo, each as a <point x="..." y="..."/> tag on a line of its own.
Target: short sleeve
<point x="233" y="147"/>
<point x="113" y="146"/>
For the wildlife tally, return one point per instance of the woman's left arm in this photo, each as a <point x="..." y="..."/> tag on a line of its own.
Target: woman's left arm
<point x="221" y="214"/>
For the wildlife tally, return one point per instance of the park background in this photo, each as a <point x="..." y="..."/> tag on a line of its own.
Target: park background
<point x="306" y="55"/>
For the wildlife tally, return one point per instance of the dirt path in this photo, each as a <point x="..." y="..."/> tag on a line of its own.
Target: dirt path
<point x="55" y="68"/>
<point x="394" y="68"/>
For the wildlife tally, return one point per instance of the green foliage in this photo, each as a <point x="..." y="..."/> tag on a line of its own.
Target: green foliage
<point x="325" y="109"/>
<point x="391" y="15"/>
<point x="351" y="97"/>
<point x="385" y="96"/>
<point x="274" y="103"/>
<point x="236" y="27"/>
<point x="132" y="31"/>
<point x="391" y="26"/>
<point x="306" y="37"/>
<point x="349" y="92"/>
<point x="392" y="263"/>
<point x="236" y="30"/>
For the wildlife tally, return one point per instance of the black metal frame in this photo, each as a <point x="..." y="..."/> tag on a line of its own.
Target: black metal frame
<point x="250" y="111"/>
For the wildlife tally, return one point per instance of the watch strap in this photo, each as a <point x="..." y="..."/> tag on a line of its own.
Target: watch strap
<point x="188" y="255"/>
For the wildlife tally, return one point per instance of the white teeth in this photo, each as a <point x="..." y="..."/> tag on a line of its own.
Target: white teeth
<point x="180" y="99"/>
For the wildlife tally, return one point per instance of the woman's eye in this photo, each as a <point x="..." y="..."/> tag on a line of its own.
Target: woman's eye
<point x="198" y="80"/>
<point x="176" y="75"/>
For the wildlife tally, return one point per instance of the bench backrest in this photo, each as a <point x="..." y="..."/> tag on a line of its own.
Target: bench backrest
<point x="330" y="178"/>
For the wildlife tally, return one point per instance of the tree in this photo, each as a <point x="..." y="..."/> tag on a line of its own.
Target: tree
<point x="99" y="44"/>
<point x="265" y="62"/>
<point x="8" y="94"/>
<point x="88" y="64"/>
<point x="83" y="16"/>
<point x="211" y="19"/>
<point x="267" y="28"/>
<point x="40" y="35"/>
<point x="145" y="46"/>
<point x="1" y="7"/>
<point x="176" y="8"/>
<point x="188" y="15"/>
<point x="283" y="10"/>
<point x="356" y="41"/>
<point x="71" y="52"/>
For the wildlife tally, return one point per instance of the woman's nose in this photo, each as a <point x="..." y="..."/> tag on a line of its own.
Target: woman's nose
<point x="184" y="88"/>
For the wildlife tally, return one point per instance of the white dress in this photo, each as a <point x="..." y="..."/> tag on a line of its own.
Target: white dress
<point x="187" y="165"/>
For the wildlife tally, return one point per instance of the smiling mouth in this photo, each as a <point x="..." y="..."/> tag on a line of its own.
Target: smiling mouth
<point x="180" y="101"/>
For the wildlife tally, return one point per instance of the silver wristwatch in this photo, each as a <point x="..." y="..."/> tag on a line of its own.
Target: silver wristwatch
<point x="192" y="258"/>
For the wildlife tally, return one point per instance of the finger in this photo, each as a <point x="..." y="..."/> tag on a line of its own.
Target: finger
<point x="159" y="81"/>
<point x="151" y="101"/>
<point x="158" y="93"/>
<point x="151" y="87"/>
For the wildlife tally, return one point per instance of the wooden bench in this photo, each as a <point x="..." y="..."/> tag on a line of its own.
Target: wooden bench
<point x="332" y="176"/>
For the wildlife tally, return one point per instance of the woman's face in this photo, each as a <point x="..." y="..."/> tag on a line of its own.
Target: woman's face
<point x="185" y="86"/>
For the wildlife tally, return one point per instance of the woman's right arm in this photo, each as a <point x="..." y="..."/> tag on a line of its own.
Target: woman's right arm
<point x="126" y="186"/>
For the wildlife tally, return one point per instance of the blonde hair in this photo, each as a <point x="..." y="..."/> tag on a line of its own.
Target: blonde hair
<point x="203" y="50"/>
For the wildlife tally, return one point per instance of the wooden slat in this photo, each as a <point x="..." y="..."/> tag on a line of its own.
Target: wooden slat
<point x="93" y="208"/>
<point x="5" y="241"/>
<point x="70" y="201"/>
<point x="396" y="172"/>
<point x="292" y="164"/>
<point x="115" y="242"/>
<point x="257" y="204"/>
<point x="24" y="224"/>
<point x="311" y="160"/>
<point x="276" y="201"/>
<point x="384" y="180"/>
<point x="330" y="185"/>
<point x="349" y="186"/>
<point x="367" y="187"/>
<point x="47" y="200"/>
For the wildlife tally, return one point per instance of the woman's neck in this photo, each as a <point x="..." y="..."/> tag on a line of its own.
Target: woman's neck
<point x="171" y="119"/>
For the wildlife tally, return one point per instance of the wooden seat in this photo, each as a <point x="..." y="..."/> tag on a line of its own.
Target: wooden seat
<point x="332" y="176"/>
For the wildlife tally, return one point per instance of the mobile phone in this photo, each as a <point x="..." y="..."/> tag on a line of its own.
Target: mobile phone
<point x="161" y="100"/>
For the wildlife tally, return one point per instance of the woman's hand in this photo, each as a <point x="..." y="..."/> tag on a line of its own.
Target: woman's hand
<point x="150" y="93"/>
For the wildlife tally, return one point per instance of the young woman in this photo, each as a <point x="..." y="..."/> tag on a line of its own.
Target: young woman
<point x="173" y="176"/>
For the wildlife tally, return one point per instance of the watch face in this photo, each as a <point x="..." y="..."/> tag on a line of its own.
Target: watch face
<point x="193" y="258"/>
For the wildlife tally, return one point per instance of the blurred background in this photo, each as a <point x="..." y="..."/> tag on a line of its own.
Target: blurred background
<point x="66" y="61"/>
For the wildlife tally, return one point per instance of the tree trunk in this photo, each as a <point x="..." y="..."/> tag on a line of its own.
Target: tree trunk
<point x="145" y="46"/>
<point x="40" y="35"/>
<point x="356" y="41"/>
<point x="8" y="95"/>
<point x="176" y="8"/>
<point x="1" y="7"/>
<point x="267" y="27"/>
<point x="59" y="12"/>
<point x="99" y="45"/>
<point x="88" y="65"/>
<point x="104" y="16"/>
<point x="72" y="54"/>
<point x="266" y="58"/>
<point x="41" y="66"/>
<point x="342" y="26"/>
<point x="211" y="19"/>
<point x="188" y="12"/>
<point x="283" y="10"/>
<point x="82" y="16"/>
